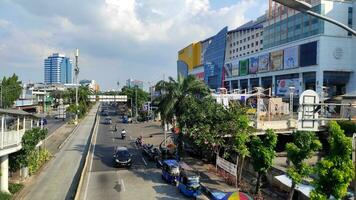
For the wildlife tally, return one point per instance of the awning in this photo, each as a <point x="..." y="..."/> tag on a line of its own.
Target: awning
<point x="305" y="189"/>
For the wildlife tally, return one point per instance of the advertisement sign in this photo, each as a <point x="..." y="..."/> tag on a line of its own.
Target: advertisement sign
<point x="308" y="54"/>
<point x="228" y="70"/>
<point x="284" y="84"/>
<point x="263" y="63"/>
<point x="277" y="60"/>
<point x="243" y="67"/>
<point x="198" y="72"/>
<point x="226" y="165"/>
<point x="253" y="65"/>
<point x="291" y="57"/>
<point x="235" y="69"/>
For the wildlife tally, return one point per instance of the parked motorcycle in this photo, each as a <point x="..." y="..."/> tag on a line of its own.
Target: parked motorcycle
<point x="139" y="141"/>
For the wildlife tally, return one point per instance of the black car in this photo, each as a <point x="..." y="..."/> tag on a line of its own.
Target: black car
<point x="122" y="157"/>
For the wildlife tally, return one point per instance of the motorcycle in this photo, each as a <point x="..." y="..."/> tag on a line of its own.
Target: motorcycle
<point x="139" y="141"/>
<point x="123" y="134"/>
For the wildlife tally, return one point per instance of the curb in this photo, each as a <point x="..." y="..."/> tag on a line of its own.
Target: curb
<point x="69" y="136"/>
<point x="85" y="166"/>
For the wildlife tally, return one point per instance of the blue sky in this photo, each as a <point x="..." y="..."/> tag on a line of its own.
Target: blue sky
<point x="118" y="39"/>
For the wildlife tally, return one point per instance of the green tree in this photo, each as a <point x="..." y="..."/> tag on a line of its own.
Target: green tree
<point x="83" y="100"/>
<point x="242" y="131"/>
<point x="11" y="90"/>
<point x="142" y="96"/>
<point x="336" y="170"/>
<point x="303" y="146"/>
<point x="173" y="93"/>
<point x="262" y="154"/>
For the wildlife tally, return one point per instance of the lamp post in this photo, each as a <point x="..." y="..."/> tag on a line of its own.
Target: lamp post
<point x="76" y="70"/>
<point x="305" y="7"/>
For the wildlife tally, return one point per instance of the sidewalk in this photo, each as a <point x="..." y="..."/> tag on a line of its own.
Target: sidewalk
<point x="208" y="179"/>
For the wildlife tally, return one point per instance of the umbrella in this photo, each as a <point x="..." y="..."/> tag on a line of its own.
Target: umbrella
<point x="237" y="196"/>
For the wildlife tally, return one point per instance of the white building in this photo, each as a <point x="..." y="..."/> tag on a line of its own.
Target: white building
<point x="299" y="51"/>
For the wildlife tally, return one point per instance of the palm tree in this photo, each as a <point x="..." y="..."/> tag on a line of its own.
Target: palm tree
<point x="173" y="93"/>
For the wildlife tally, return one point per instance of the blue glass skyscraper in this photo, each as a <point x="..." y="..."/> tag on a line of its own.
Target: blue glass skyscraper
<point x="57" y="69"/>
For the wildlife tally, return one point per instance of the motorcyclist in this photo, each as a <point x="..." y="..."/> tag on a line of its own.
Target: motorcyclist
<point x="123" y="133"/>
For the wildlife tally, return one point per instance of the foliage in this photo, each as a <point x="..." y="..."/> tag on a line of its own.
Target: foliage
<point x="11" y="90"/>
<point x="37" y="158"/>
<point x="29" y="141"/>
<point x="142" y="96"/>
<point x="262" y="153"/>
<point x="348" y="126"/>
<point x="5" y="196"/>
<point x="15" y="187"/>
<point x="303" y="146"/>
<point x="83" y="101"/>
<point x="173" y="101"/>
<point x="335" y="171"/>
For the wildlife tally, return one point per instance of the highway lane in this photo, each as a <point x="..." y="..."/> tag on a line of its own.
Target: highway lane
<point x="141" y="181"/>
<point x="57" y="179"/>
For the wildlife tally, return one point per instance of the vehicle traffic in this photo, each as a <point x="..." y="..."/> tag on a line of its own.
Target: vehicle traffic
<point x="107" y="120"/>
<point x="122" y="157"/>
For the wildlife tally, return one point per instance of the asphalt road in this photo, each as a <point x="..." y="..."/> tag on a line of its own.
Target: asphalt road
<point x="141" y="181"/>
<point x="53" y="124"/>
<point x="57" y="180"/>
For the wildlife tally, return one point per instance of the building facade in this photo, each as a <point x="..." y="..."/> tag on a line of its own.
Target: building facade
<point x="91" y="84"/>
<point x="286" y="50"/>
<point x="58" y="69"/>
<point x="134" y="83"/>
<point x="300" y="52"/>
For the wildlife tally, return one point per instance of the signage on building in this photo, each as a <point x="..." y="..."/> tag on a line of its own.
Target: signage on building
<point x="277" y="60"/>
<point x="263" y="63"/>
<point x="308" y="54"/>
<point x="291" y="57"/>
<point x="283" y="86"/>
<point x="235" y="69"/>
<point x="243" y="67"/>
<point x="228" y="70"/>
<point x="198" y="72"/>
<point x="253" y="65"/>
<point x="226" y="165"/>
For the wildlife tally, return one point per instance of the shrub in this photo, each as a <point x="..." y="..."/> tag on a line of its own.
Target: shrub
<point x="15" y="187"/>
<point x="5" y="196"/>
<point x="37" y="158"/>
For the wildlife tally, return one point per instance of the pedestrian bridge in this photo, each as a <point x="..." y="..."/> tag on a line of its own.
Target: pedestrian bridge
<point x="108" y="98"/>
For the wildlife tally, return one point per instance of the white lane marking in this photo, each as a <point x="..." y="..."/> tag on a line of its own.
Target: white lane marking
<point x="91" y="159"/>
<point x="123" y="185"/>
<point x="143" y="159"/>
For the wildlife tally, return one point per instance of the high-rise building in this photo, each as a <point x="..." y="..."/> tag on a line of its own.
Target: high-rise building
<point x="134" y="83"/>
<point x="58" y="69"/>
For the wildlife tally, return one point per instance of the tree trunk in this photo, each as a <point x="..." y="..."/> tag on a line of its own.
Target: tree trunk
<point x="240" y="168"/>
<point x="258" y="183"/>
<point x="291" y="192"/>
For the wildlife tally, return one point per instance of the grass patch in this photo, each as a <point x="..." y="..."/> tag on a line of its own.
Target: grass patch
<point x="15" y="187"/>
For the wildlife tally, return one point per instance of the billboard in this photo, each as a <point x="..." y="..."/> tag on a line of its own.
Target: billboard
<point x="263" y="63"/>
<point x="308" y="54"/>
<point x="291" y="57"/>
<point x="284" y="84"/>
<point x="228" y="70"/>
<point x="277" y="60"/>
<point x="253" y="65"/>
<point x="243" y="67"/>
<point x="235" y="69"/>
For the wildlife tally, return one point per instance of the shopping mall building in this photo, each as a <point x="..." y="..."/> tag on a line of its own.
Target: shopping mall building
<point x="282" y="49"/>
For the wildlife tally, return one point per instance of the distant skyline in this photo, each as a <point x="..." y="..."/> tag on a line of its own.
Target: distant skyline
<point x="117" y="39"/>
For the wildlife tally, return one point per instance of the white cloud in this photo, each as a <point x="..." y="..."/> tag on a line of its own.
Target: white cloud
<point x="124" y="38"/>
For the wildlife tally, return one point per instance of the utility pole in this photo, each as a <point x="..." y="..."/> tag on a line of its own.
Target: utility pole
<point x="76" y="85"/>
<point x="136" y="101"/>
<point x="1" y="86"/>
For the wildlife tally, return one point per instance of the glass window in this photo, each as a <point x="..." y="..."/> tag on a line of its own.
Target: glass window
<point x="257" y="34"/>
<point x="253" y="36"/>
<point x="245" y="40"/>
<point x="252" y="44"/>
<point x="244" y="47"/>
<point x="248" y="38"/>
<point x="256" y="43"/>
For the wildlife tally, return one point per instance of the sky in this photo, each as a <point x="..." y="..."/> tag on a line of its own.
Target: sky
<point x="117" y="39"/>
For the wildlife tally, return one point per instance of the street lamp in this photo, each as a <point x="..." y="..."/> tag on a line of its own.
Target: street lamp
<point x="305" y="7"/>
